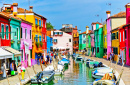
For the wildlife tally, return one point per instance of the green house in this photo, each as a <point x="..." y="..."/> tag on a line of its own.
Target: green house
<point x="98" y="35"/>
<point x="82" y="41"/>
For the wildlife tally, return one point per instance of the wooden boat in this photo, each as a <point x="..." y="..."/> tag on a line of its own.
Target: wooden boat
<point x="99" y="73"/>
<point x="43" y="77"/>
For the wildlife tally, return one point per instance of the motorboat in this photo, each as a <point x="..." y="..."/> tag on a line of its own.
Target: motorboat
<point x="43" y="77"/>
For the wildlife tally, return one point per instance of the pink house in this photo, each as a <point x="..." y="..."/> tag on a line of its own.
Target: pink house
<point x="26" y="43"/>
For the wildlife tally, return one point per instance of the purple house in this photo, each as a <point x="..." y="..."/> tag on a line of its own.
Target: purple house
<point x="26" y="43"/>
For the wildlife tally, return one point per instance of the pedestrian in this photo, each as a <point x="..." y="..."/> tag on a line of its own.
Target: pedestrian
<point x="51" y="57"/>
<point x="119" y="58"/>
<point x="15" y="69"/>
<point x="48" y="58"/>
<point x="112" y="56"/>
<point x="3" y="68"/>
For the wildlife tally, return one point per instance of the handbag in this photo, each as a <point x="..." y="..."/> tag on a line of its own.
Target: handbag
<point x="12" y="73"/>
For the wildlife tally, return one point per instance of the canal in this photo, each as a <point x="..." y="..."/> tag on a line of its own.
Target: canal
<point x="76" y="74"/>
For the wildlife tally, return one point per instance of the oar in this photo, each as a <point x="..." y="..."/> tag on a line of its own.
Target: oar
<point x="6" y="76"/>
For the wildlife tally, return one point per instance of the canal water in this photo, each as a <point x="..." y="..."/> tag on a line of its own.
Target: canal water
<point x="76" y="74"/>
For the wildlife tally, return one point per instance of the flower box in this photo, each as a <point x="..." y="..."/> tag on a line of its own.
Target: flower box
<point x="12" y="41"/>
<point x="18" y="42"/>
<point x="41" y="44"/>
<point x="36" y="25"/>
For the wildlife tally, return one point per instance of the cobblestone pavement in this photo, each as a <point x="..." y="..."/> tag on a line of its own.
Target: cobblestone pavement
<point x="126" y="73"/>
<point x="14" y="80"/>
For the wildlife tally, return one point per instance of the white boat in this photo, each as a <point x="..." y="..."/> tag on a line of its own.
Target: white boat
<point x="103" y="82"/>
<point x="99" y="73"/>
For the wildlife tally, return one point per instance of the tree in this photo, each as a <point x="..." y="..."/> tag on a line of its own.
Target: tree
<point x="49" y="26"/>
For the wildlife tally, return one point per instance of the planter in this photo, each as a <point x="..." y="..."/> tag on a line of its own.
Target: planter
<point x="41" y="44"/>
<point x="37" y="44"/>
<point x="12" y="41"/>
<point x="40" y="26"/>
<point x="36" y="25"/>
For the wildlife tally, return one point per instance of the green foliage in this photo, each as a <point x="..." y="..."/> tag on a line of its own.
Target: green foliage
<point x="41" y="44"/>
<point x="49" y="26"/>
<point x="37" y="44"/>
<point x="12" y="41"/>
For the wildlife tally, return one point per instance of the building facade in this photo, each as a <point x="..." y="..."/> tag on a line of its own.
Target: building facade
<point x="82" y="41"/>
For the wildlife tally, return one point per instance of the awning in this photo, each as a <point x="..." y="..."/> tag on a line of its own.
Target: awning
<point x="15" y="52"/>
<point x="5" y="54"/>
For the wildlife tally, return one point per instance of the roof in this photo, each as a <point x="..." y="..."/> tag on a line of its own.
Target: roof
<point x="121" y="26"/>
<point x="83" y="32"/>
<point x="119" y="15"/>
<point x="10" y="16"/>
<point x="97" y="23"/>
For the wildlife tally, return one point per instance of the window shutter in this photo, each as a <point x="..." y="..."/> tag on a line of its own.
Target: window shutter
<point x="117" y="35"/>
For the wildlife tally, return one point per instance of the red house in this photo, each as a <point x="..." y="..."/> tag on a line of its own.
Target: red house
<point x="44" y="35"/>
<point x="125" y="38"/>
<point x="5" y="38"/>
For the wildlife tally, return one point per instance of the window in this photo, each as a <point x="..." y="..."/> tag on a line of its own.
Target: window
<point x="129" y="52"/>
<point x="84" y="36"/>
<point x="36" y="38"/>
<point x="25" y="33"/>
<point x="92" y="27"/>
<point x="7" y="32"/>
<point x="115" y="51"/>
<point x="113" y="36"/>
<point x="40" y="38"/>
<point x="30" y="53"/>
<point x="30" y="34"/>
<point x="84" y="41"/>
<point x="2" y="30"/>
<point x="55" y="40"/>
<point x="40" y="22"/>
<point x="55" y="33"/>
<point x="22" y="54"/>
<point x="120" y="36"/>
<point x="36" y="21"/>
<point x="125" y="34"/>
<point x="97" y="49"/>
<point x="17" y="33"/>
<point x="25" y="56"/>
<point x="110" y="22"/>
<point x="98" y="38"/>
<point x="95" y="38"/>
<point x="21" y="33"/>
<point x="117" y="35"/>
<point x="69" y="40"/>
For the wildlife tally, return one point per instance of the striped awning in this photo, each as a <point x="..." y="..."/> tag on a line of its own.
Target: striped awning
<point x="15" y="52"/>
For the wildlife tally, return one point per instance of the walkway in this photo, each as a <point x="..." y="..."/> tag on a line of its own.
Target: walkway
<point x="126" y="74"/>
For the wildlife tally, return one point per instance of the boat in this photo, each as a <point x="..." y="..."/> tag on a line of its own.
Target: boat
<point x="79" y="58"/>
<point x="103" y="82"/>
<point x="99" y="73"/>
<point x="43" y="77"/>
<point x="58" y="71"/>
<point x="64" y="62"/>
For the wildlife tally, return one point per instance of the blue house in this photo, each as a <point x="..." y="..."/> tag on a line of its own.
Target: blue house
<point x="49" y="43"/>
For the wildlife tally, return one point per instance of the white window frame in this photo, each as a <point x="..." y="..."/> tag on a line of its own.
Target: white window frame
<point x="8" y="32"/>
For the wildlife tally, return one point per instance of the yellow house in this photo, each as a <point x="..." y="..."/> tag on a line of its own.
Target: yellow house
<point x="105" y="39"/>
<point x="37" y="33"/>
<point x="115" y="43"/>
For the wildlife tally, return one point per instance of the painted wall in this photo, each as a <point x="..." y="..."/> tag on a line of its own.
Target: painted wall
<point x="49" y="43"/>
<point x="63" y="40"/>
<point x="115" y="43"/>
<point x="26" y="44"/>
<point x="14" y="24"/>
<point x="116" y="22"/>
<point x="81" y="39"/>
<point x="5" y="41"/>
<point x="105" y="36"/>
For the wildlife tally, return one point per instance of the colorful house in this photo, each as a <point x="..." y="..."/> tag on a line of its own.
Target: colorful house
<point x="98" y="33"/>
<point x="88" y="41"/>
<point x="75" y="39"/>
<point x="124" y="33"/>
<point x="26" y="42"/>
<point x="82" y="41"/>
<point x="49" y="44"/>
<point x="38" y="28"/>
<point x="62" y="41"/>
<point x="112" y="23"/>
<point x="105" y="38"/>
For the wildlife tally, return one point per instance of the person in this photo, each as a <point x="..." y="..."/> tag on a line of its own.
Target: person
<point x="15" y="69"/>
<point x="112" y="56"/>
<point x="12" y="66"/>
<point x="3" y="68"/>
<point x="47" y="57"/>
<point x="51" y="57"/>
<point x="119" y="58"/>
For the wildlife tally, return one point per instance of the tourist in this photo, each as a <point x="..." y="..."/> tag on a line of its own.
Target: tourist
<point x="3" y="68"/>
<point x="48" y="58"/>
<point x="15" y="69"/>
<point x="12" y="66"/>
<point x="51" y="57"/>
<point x="119" y="58"/>
<point x="112" y="56"/>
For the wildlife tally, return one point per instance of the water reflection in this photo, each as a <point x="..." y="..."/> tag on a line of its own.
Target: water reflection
<point x="76" y="74"/>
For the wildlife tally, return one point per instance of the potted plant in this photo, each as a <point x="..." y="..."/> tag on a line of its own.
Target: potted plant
<point x="36" y="25"/>
<point x="41" y="44"/>
<point x="18" y="42"/>
<point x="12" y="41"/>
<point x="40" y="26"/>
<point x="37" y="44"/>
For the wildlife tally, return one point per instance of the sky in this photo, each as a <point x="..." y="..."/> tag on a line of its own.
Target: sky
<point x="80" y="13"/>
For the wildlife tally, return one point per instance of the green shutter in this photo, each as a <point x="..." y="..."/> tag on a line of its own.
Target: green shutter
<point x="7" y="34"/>
<point x="2" y="31"/>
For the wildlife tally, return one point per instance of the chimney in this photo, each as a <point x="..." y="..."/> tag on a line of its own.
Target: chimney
<point x="75" y="27"/>
<point x="87" y="28"/>
<point x="108" y="14"/>
<point x="31" y="8"/>
<point x="127" y="13"/>
<point x="79" y="31"/>
<point x="15" y="7"/>
<point x="97" y="25"/>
